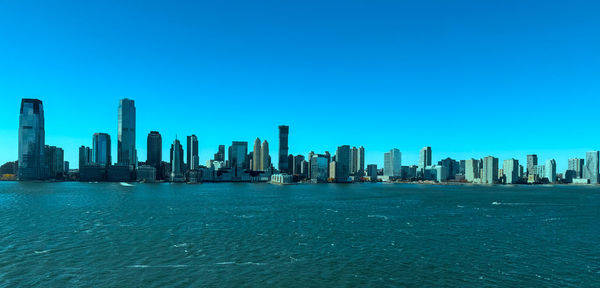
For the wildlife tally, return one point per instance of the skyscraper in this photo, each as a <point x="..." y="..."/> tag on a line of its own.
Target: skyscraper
<point x="238" y="152"/>
<point x="532" y="161"/>
<point x="353" y="160"/>
<point x="154" y="152"/>
<point x="126" y="152"/>
<point x="177" y="162"/>
<point x="392" y="163"/>
<point x="342" y="163"/>
<point x="265" y="161"/>
<point x="101" y="149"/>
<point x="31" y="140"/>
<point x="360" y="160"/>
<point x="490" y="170"/>
<point x="425" y="157"/>
<point x="85" y="156"/>
<point x="590" y="170"/>
<point x="319" y="170"/>
<point x="511" y="170"/>
<point x="283" y="165"/>
<point x="297" y="164"/>
<point x="471" y="169"/>
<point x="257" y="156"/>
<point x="54" y="161"/>
<point x="220" y="155"/>
<point x="551" y="170"/>
<point x="372" y="172"/>
<point x="576" y="166"/>
<point x="192" y="153"/>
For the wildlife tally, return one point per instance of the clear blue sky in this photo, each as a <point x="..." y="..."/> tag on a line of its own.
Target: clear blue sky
<point x="469" y="78"/>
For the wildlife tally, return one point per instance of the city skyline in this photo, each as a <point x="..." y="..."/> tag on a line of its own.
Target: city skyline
<point x="483" y="69"/>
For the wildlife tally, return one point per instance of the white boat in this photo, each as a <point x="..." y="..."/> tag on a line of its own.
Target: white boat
<point x="126" y="184"/>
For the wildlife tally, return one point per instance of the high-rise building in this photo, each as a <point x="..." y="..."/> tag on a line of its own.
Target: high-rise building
<point x="126" y="152"/>
<point x="551" y="170"/>
<point x="576" y="165"/>
<point x="372" y="172"/>
<point x="532" y="161"/>
<point x="257" y="156"/>
<point x="590" y="170"/>
<point x="31" y="140"/>
<point x="284" y="132"/>
<point x="265" y="162"/>
<point x="319" y="171"/>
<point x="353" y="160"/>
<point x="177" y="162"/>
<point x="85" y="156"/>
<point x="471" y="169"/>
<point x="54" y="161"/>
<point x="297" y="164"/>
<point x="342" y="163"/>
<point x="392" y="163"/>
<point x="510" y="167"/>
<point x="220" y="155"/>
<point x="238" y="152"/>
<point x="425" y="157"/>
<point x="360" y="160"/>
<point x="490" y="170"/>
<point x="193" y="162"/>
<point x="101" y="149"/>
<point x="154" y="152"/>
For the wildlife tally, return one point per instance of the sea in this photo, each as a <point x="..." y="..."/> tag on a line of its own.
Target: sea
<point x="72" y="234"/>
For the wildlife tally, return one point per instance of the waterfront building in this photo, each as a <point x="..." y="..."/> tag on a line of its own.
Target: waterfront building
<point x="192" y="159"/>
<point x="332" y="170"/>
<point x="265" y="159"/>
<point x="353" y="160"/>
<point x="85" y="156"/>
<point x="540" y="173"/>
<point x="297" y="165"/>
<point x="220" y="155"/>
<point x="510" y="168"/>
<point x="118" y="172"/>
<point x="154" y="152"/>
<point x="450" y="166"/>
<point x="146" y="173"/>
<point x="372" y="172"/>
<point x="392" y="163"/>
<point x="319" y="166"/>
<point x="342" y="167"/>
<point x="490" y="170"/>
<point x="532" y="161"/>
<point x="282" y="179"/>
<point x="238" y="162"/>
<point x="126" y="152"/>
<point x="101" y="149"/>
<point x="551" y="170"/>
<point x="177" y="164"/>
<point x="257" y="156"/>
<point x="574" y="169"/>
<point x="590" y="170"/>
<point x="31" y="141"/>
<point x="283" y="165"/>
<point x="425" y="157"/>
<point x="54" y="161"/>
<point x="360" y="161"/>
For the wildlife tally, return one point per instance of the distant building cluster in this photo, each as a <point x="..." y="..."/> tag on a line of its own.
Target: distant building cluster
<point x="38" y="161"/>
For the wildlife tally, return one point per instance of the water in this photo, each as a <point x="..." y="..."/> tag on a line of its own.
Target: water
<point x="257" y="235"/>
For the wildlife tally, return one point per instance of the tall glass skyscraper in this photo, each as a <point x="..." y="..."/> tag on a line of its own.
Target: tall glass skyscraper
<point x="31" y="140"/>
<point x="154" y="151"/>
<point x="425" y="157"/>
<point x="284" y="131"/>
<point x="101" y="149"/>
<point x="193" y="162"/>
<point x="126" y="153"/>
<point x="590" y="170"/>
<point x="177" y="162"/>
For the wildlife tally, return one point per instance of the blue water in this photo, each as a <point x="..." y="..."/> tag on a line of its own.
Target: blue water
<point x="261" y="235"/>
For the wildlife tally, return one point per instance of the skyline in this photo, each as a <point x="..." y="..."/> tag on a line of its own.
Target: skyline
<point x="505" y="79"/>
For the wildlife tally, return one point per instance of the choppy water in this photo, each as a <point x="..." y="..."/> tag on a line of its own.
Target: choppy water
<point x="257" y="235"/>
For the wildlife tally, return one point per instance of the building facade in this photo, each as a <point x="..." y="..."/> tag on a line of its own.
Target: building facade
<point x="101" y="149"/>
<point x="283" y="165"/>
<point x="31" y="141"/>
<point x="392" y="163"/>
<point x="126" y="152"/>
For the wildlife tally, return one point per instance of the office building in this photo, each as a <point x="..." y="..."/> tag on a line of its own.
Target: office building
<point x="154" y="152"/>
<point x="342" y="166"/>
<point x="297" y="164"/>
<point x="265" y="159"/>
<point x="283" y="149"/>
<point x="490" y="170"/>
<point x="360" y="161"/>
<point x="425" y="157"/>
<point x="101" y="149"/>
<point x="126" y="152"/>
<point x="576" y="166"/>
<point x="31" y="141"/>
<point x="590" y="170"/>
<point x="372" y="172"/>
<point x="177" y="164"/>
<point x="192" y="159"/>
<point x="220" y="155"/>
<point x="257" y="156"/>
<point x="238" y="154"/>
<point x="551" y="170"/>
<point x="85" y="156"/>
<point x="319" y="169"/>
<point x="54" y="161"/>
<point x="510" y="168"/>
<point x="532" y="161"/>
<point x="392" y="163"/>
